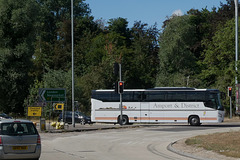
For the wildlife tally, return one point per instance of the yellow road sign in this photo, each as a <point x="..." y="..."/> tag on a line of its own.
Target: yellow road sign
<point x="59" y="106"/>
<point x="35" y="111"/>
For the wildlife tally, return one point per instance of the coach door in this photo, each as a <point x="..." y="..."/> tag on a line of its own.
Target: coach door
<point x="144" y="111"/>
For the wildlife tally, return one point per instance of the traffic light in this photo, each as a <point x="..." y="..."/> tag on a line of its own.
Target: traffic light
<point x="120" y="87"/>
<point x="229" y="91"/>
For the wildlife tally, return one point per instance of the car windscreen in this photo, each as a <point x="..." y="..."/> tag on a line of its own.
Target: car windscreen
<point x="18" y="129"/>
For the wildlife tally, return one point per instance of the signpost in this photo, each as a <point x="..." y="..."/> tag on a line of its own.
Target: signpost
<point x="52" y="94"/>
<point x="49" y="96"/>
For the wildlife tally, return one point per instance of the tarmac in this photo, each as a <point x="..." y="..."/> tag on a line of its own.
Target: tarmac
<point x="94" y="127"/>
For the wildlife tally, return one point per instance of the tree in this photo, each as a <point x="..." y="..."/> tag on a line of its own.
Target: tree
<point x="17" y="35"/>
<point x="53" y="45"/>
<point x="141" y="62"/>
<point x="120" y="26"/>
<point x="218" y="65"/>
<point x="219" y="55"/>
<point x="177" y="62"/>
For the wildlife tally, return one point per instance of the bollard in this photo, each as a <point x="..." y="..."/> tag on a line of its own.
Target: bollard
<point x="53" y="124"/>
<point x="42" y="124"/>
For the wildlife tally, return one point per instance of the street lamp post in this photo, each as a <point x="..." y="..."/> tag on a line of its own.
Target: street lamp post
<point x="236" y="54"/>
<point x="236" y="37"/>
<point x="73" y="107"/>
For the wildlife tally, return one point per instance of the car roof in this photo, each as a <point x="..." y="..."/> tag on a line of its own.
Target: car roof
<point x="14" y="120"/>
<point x="71" y="112"/>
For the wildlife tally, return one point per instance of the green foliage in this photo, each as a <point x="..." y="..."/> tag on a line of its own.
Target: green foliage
<point x="33" y="96"/>
<point x="14" y="81"/>
<point x="53" y="45"/>
<point x="59" y="79"/>
<point x="198" y="49"/>
<point x="53" y="79"/>
<point x="16" y="22"/>
<point x="119" y="26"/>
<point x="195" y="50"/>
<point x="218" y="66"/>
<point x="219" y="56"/>
<point x="140" y="63"/>
<point x="177" y="61"/>
<point x="16" y="47"/>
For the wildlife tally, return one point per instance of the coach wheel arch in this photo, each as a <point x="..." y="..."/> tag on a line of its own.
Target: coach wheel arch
<point x="194" y="120"/>
<point x="125" y="120"/>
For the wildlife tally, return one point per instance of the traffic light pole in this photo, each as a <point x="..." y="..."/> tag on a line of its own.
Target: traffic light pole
<point x="230" y="99"/>
<point x="120" y="78"/>
<point x="230" y="108"/>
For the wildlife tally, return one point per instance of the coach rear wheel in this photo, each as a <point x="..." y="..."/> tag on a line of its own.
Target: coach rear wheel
<point x="125" y="120"/>
<point x="194" y="121"/>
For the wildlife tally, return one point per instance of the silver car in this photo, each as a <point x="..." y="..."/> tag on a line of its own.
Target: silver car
<point x="19" y="139"/>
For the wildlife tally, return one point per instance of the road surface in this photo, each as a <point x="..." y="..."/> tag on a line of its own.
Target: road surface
<point x="146" y="142"/>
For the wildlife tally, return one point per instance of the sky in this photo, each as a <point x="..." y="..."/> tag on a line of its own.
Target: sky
<point x="146" y="11"/>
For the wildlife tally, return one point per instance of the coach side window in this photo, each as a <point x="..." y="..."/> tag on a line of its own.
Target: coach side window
<point x="196" y="96"/>
<point x="127" y="96"/>
<point x="179" y="96"/>
<point x="155" y="96"/>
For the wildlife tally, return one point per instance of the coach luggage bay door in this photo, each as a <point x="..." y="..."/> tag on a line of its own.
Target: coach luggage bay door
<point x="144" y="111"/>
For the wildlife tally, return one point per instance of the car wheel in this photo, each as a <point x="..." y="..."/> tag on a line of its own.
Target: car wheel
<point x="82" y="122"/>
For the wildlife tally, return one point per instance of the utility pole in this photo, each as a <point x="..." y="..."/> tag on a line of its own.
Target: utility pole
<point x="236" y="51"/>
<point x="73" y="107"/>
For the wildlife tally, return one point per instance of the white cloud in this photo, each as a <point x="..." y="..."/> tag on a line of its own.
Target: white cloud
<point x="177" y="13"/>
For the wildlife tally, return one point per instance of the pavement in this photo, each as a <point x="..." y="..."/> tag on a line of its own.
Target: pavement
<point x="81" y="128"/>
<point x="171" y="148"/>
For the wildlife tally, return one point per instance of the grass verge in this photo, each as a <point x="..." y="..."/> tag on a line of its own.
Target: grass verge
<point x="227" y="143"/>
